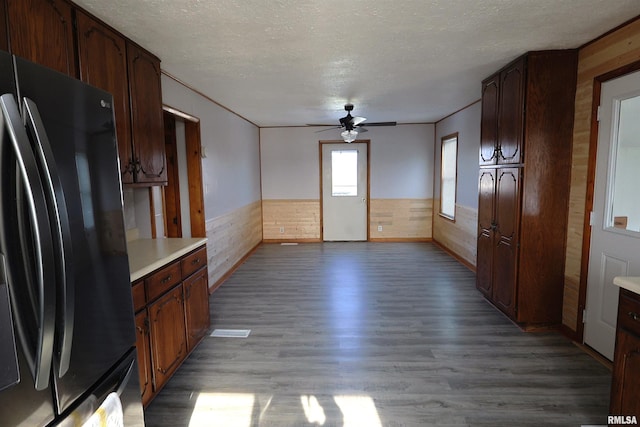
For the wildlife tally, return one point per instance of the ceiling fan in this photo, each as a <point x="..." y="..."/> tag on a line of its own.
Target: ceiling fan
<point x="352" y="125"/>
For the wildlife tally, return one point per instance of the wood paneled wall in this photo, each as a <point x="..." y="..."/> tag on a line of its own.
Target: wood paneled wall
<point x="401" y="219"/>
<point x="230" y="238"/>
<point x="300" y="220"/>
<point x="606" y="54"/>
<point x="459" y="236"/>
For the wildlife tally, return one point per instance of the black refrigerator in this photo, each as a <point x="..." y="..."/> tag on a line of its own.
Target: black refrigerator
<point x="67" y="337"/>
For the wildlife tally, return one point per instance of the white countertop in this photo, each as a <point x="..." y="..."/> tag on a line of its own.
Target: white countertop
<point x="147" y="255"/>
<point x="629" y="283"/>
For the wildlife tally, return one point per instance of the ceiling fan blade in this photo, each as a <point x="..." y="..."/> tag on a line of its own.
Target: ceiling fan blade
<point x="379" y="124"/>
<point x="329" y="128"/>
<point x="357" y="120"/>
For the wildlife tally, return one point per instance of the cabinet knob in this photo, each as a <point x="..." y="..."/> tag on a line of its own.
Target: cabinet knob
<point x="634" y="316"/>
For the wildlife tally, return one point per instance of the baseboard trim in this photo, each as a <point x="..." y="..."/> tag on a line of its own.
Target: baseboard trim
<point x="232" y="270"/>
<point x="291" y="241"/>
<point x="456" y="256"/>
<point x="401" y="239"/>
<point x="570" y="333"/>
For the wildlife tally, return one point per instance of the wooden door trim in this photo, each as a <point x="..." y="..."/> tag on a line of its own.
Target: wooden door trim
<point x="194" y="170"/>
<point x="591" y="178"/>
<point x="364" y="141"/>
<point x="194" y="178"/>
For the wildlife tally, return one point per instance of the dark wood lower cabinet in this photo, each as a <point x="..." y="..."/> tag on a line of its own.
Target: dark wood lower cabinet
<point x="196" y="307"/>
<point x="143" y="344"/>
<point x="172" y="318"/>
<point x="625" y="384"/>
<point x="168" y="339"/>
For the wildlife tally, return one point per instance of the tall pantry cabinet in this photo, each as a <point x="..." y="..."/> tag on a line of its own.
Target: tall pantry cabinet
<point x="525" y="165"/>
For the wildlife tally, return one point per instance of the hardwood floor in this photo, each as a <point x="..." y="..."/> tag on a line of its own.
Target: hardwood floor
<point x="374" y="334"/>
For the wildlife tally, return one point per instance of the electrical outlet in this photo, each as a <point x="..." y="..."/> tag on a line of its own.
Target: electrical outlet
<point x="281" y="230"/>
<point x="379" y="228"/>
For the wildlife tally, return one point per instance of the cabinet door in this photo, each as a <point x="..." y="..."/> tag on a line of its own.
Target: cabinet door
<point x="484" y="264"/>
<point x="146" y="110"/>
<point x="511" y="113"/>
<point x="196" y="307"/>
<point x="4" y="44"/>
<point x="168" y="340"/>
<point x="489" y="121"/>
<point x="103" y="64"/>
<point x="143" y="347"/>
<point x="42" y="32"/>
<point x="505" y="253"/>
<point x="625" y="387"/>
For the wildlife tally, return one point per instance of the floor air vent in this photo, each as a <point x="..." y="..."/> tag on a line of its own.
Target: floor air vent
<point x="231" y="333"/>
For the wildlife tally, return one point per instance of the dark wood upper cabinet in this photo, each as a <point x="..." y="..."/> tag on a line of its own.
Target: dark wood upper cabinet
<point x="4" y="42"/>
<point x="102" y="57"/>
<point x="42" y="32"/>
<point x="489" y="124"/>
<point x="502" y="115"/>
<point x="147" y="122"/>
<point x="512" y="81"/>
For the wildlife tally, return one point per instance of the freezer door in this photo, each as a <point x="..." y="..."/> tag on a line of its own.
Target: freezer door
<point x="79" y="125"/>
<point x="122" y="382"/>
<point x="8" y="352"/>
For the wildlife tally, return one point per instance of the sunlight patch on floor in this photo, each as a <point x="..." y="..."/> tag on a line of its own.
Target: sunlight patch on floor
<point x="239" y="409"/>
<point x="223" y="409"/>
<point x="358" y="411"/>
<point x="313" y="410"/>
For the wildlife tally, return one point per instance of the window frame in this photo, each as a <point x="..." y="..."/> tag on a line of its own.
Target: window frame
<point x="453" y="137"/>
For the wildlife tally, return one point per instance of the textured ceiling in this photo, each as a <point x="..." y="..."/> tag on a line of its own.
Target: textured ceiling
<point x="291" y="62"/>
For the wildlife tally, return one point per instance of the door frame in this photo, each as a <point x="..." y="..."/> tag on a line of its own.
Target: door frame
<point x="591" y="178"/>
<point x="194" y="170"/>
<point x="339" y="141"/>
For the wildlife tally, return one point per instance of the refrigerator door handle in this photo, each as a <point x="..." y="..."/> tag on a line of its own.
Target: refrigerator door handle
<point x="59" y="218"/>
<point x="39" y="349"/>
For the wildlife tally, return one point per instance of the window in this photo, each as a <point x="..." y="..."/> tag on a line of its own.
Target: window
<point x="448" y="174"/>
<point x="344" y="173"/>
<point x="623" y="211"/>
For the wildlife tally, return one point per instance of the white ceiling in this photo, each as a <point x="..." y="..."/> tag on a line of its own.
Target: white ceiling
<point x="292" y="62"/>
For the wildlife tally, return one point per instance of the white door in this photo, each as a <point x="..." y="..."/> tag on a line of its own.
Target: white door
<point x="615" y="220"/>
<point x="344" y="192"/>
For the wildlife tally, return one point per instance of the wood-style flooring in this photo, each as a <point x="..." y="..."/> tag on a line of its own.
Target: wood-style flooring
<point x="374" y="334"/>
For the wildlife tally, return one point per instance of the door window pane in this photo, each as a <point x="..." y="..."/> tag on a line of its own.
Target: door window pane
<point x="624" y="208"/>
<point x="344" y="173"/>
<point x="448" y="174"/>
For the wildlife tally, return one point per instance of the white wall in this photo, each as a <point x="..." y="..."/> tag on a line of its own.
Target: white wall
<point x="467" y="124"/>
<point x="231" y="169"/>
<point x="401" y="161"/>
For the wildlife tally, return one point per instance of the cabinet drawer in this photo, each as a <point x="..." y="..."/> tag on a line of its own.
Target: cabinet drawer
<point x="162" y="280"/>
<point x="139" y="298"/>
<point x="194" y="261"/>
<point x="629" y="312"/>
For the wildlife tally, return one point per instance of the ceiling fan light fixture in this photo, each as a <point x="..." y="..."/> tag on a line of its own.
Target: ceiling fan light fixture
<point x="349" y="135"/>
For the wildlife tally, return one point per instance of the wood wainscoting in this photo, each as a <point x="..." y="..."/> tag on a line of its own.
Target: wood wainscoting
<point x="460" y="236"/>
<point x="613" y="51"/>
<point x="299" y="220"/>
<point x="401" y="219"/>
<point x="231" y="237"/>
